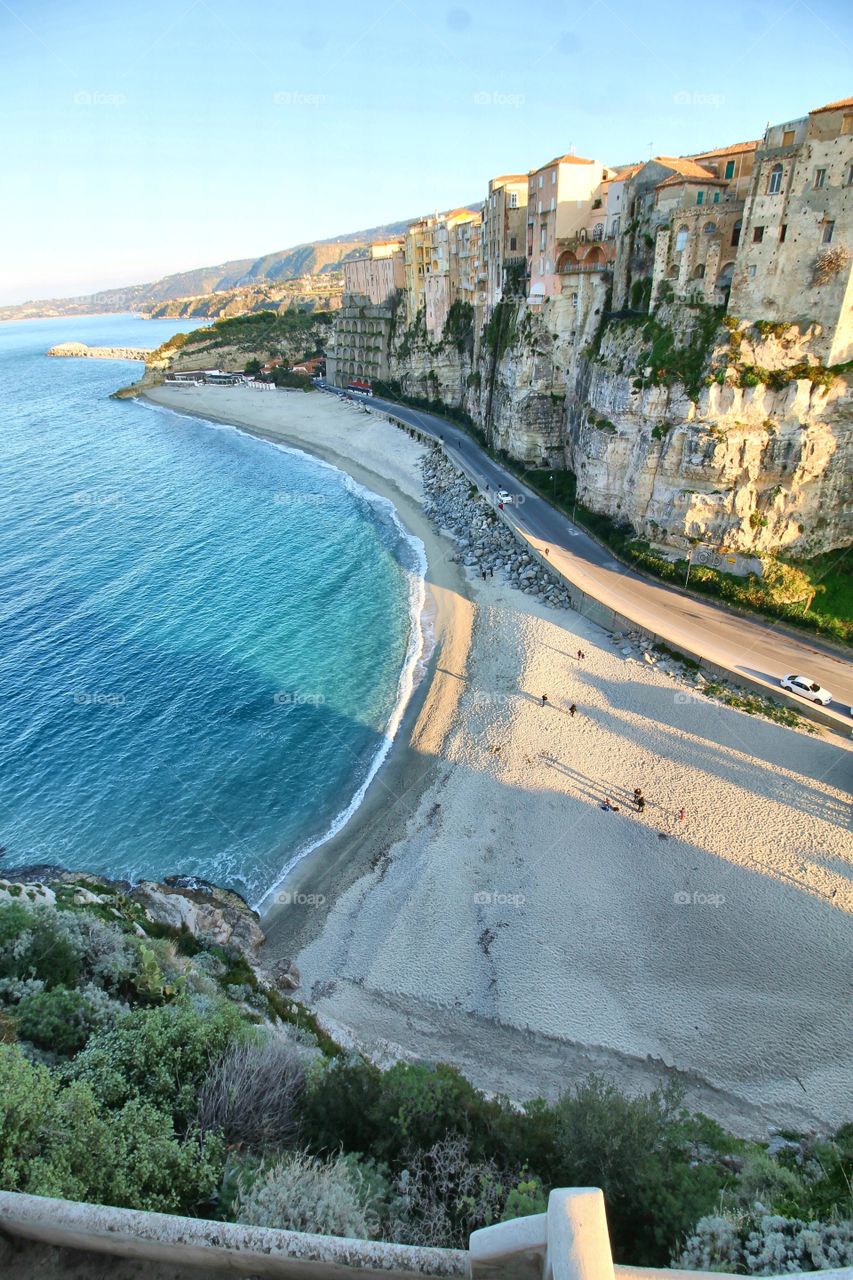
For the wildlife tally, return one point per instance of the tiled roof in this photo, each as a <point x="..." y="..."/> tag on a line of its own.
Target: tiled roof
<point x="833" y="106"/>
<point x="622" y="175"/>
<point x="735" y="149"/>
<point x="510" y="177"/>
<point x="679" y="179"/>
<point x="683" y="165"/>
<point x="562" y="160"/>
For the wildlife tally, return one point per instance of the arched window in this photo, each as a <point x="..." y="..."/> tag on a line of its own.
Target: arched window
<point x="774" y="186"/>
<point x="582" y="235"/>
<point x="598" y="231"/>
<point x="710" y="229"/>
<point x="736" y="230"/>
<point x="681" y="237"/>
<point x="699" y="273"/>
<point x="614" y="226"/>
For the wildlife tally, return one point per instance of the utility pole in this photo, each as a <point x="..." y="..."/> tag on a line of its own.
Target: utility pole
<point x="689" y="563"/>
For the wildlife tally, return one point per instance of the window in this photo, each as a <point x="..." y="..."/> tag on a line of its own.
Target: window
<point x="513" y="244"/>
<point x="757" y="235"/>
<point x="553" y="177"/>
<point x="828" y="228"/>
<point x="751" y="272"/>
<point x="783" y="231"/>
<point x="730" y="169"/>
<point x="614" y="226"/>
<point x="540" y="182"/>
<point x="710" y="229"/>
<point x="774" y="186"/>
<point x="736" y="229"/>
<point x="787" y="137"/>
<point x="574" y="299"/>
<point x="513" y="199"/>
<point x="542" y="234"/>
<point x="847" y="124"/>
<point x="700" y="197"/>
<point x="598" y="231"/>
<point x="819" y="179"/>
<point x="716" y="197"/>
<point x="849" y="180"/>
<point x="681" y="237"/>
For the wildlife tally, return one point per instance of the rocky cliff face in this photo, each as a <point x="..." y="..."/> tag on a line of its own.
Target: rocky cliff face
<point x="681" y="425"/>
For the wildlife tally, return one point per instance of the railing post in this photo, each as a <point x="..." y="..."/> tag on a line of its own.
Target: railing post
<point x="578" y="1239"/>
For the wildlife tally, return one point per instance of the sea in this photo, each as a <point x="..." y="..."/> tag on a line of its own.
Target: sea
<point x="206" y="640"/>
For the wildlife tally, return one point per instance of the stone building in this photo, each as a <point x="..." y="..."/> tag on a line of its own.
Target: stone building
<point x="793" y="262"/>
<point x="504" y="234"/>
<point x="360" y="340"/>
<point x="433" y="250"/>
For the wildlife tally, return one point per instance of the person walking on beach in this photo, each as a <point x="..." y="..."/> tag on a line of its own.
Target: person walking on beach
<point x="544" y="699"/>
<point x="681" y="815"/>
<point x="641" y="803"/>
<point x="637" y="793"/>
<point x="491" y="571"/>
<point x="572" y="710"/>
<point x="581" y="655"/>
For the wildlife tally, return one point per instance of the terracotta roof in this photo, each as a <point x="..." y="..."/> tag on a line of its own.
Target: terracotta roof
<point x="734" y="149"/>
<point x="461" y="213"/>
<point x="683" y="165"/>
<point x="680" y="179"/>
<point x="563" y="160"/>
<point x="510" y="177"/>
<point x="622" y="175"/>
<point x="833" y="106"/>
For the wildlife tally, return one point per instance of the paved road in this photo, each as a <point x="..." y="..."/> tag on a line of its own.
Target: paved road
<point x="744" y="646"/>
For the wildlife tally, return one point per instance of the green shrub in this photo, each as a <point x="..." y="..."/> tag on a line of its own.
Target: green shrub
<point x="160" y="1055"/>
<point x="56" y="1019"/>
<point x="32" y="946"/>
<point x="60" y="1141"/>
<point x="639" y="1151"/>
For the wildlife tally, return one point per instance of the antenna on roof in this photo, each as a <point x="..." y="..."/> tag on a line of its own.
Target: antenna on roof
<point x="651" y="144"/>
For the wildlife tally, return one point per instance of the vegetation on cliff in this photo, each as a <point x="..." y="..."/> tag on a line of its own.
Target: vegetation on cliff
<point x="143" y="1065"/>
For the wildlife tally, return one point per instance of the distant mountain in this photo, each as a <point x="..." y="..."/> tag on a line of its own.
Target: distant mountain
<point x="315" y="258"/>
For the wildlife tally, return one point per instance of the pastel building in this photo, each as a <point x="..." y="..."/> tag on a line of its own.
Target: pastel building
<point x="793" y="259"/>
<point x="560" y="195"/>
<point x="379" y="274"/>
<point x="504" y="234"/>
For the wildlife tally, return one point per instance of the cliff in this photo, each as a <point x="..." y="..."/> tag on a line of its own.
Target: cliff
<point x="688" y="426"/>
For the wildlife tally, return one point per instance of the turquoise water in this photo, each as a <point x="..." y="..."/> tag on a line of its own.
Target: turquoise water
<point x="205" y="640"/>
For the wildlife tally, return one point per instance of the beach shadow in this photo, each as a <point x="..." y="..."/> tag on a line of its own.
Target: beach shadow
<point x="696" y="718"/>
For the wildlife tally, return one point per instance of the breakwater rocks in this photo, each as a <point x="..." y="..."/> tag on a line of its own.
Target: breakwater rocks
<point x="81" y="351"/>
<point x="453" y="503"/>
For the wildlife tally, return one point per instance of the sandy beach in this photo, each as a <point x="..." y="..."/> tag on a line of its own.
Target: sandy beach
<point x="482" y="908"/>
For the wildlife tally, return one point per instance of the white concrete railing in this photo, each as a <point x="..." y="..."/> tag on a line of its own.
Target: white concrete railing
<point x="569" y="1242"/>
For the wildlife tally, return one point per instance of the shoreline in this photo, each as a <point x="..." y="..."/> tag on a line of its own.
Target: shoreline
<point x="323" y="868"/>
<point x="480" y="909"/>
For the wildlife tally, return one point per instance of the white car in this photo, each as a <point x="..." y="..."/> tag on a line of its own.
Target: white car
<point x="503" y="496"/>
<point x="806" y="688"/>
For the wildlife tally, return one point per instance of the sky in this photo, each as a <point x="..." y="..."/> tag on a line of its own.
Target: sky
<point x="142" y="139"/>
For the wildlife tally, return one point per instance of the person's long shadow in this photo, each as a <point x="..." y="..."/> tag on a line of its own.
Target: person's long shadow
<point x="718" y="756"/>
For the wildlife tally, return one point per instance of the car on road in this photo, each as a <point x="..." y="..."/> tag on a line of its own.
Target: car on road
<point x="806" y="688"/>
<point x="503" y="496"/>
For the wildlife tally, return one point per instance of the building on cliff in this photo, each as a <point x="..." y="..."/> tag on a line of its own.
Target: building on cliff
<point x="793" y="262"/>
<point x="560" y="197"/>
<point x="504" y="234"/>
<point x="362" y="331"/>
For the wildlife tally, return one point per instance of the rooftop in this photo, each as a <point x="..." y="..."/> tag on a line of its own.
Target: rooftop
<point x="685" y="179"/>
<point x="684" y="165"/>
<point x="734" y="149"/>
<point x="833" y="106"/>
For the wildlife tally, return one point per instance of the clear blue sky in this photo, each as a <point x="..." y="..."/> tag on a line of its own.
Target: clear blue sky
<point x="146" y="138"/>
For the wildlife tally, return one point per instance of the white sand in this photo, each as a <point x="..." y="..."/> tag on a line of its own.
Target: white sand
<point x="512" y="926"/>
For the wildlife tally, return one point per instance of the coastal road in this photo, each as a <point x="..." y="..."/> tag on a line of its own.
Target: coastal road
<point x="747" y="647"/>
